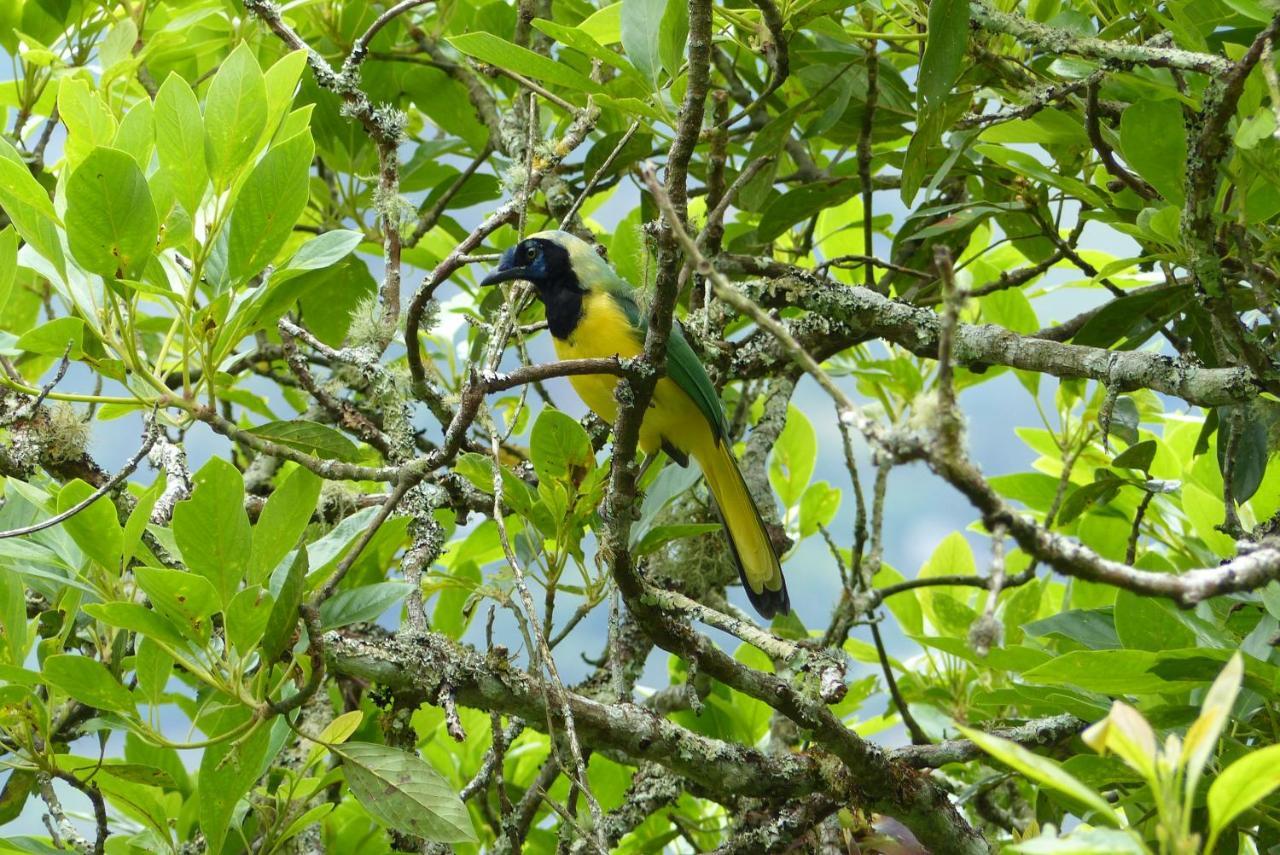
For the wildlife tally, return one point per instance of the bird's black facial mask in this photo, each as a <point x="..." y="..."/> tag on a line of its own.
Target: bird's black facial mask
<point x="545" y="264"/>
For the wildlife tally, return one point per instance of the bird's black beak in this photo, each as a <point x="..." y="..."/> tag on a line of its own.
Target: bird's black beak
<point x="506" y="270"/>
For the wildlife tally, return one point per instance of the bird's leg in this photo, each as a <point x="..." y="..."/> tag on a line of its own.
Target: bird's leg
<point x="644" y="467"/>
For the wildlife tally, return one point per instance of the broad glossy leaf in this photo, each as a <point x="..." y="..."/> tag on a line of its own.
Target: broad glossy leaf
<point x="660" y="535"/>
<point x="88" y="119"/>
<point x="180" y="141"/>
<point x="560" y="448"/>
<point x="1137" y="456"/>
<point x="96" y="529"/>
<point x="284" y="518"/>
<point x="1149" y="623"/>
<point x="365" y="603"/>
<point x="29" y="209"/>
<point x="1202" y="737"/>
<point x="641" y="31"/>
<point x="310" y="437"/>
<point x="227" y="769"/>
<point x="235" y="115"/>
<point x="13" y="617"/>
<point x="948" y="36"/>
<point x="54" y="338"/>
<point x="186" y="599"/>
<point x="818" y="506"/>
<point x="111" y="220"/>
<point x="246" y="618"/>
<point x="135" y="617"/>
<point x="8" y="263"/>
<point x="405" y="793"/>
<point x="136" y="135"/>
<point x="88" y="681"/>
<point x="1042" y="770"/>
<point x="268" y="206"/>
<point x="1153" y="137"/>
<point x="673" y="35"/>
<point x="489" y="48"/>
<point x="284" y="611"/>
<point x="948" y="611"/>
<point x="793" y="458"/>
<point x="212" y="529"/>
<point x="1242" y="785"/>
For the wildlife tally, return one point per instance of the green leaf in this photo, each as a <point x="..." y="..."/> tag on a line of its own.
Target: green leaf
<point x="945" y="610"/>
<point x="136" y="617"/>
<point x="402" y="791"/>
<point x="228" y="769"/>
<point x="186" y="599"/>
<point x="1110" y="672"/>
<point x="52" y="338"/>
<point x="671" y="482"/>
<point x="1242" y="785"/>
<point x="324" y="250"/>
<point x="794" y="456"/>
<point x="660" y="535"/>
<point x="673" y="34"/>
<point x="947" y="39"/>
<point x="284" y="518"/>
<point x="13" y="617"/>
<point x="1042" y="770"/>
<point x="268" y="206"/>
<point x="1215" y="710"/>
<point x="88" y="681"/>
<point x="1127" y="316"/>
<point x="111" y="220"/>
<point x="1148" y="623"/>
<point x="489" y="48"/>
<point x="818" y="506"/>
<point x="1153" y="138"/>
<point x="89" y="121"/>
<point x="1081" y="841"/>
<point x="29" y="208"/>
<point x="800" y="204"/>
<point x="180" y="140"/>
<point x="281" y="82"/>
<point x="905" y="605"/>
<point x="1082" y="497"/>
<point x="560" y="448"/>
<point x="284" y="612"/>
<point x="96" y="529"/>
<point x="454" y="606"/>
<point x="246" y="618"/>
<point x="235" y="115"/>
<point x="641" y="31"/>
<point x="365" y="603"/>
<point x="136" y="135"/>
<point x="1137" y="456"/>
<point x="8" y="264"/>
<point x="605" y="25"/>
<point x="13" y="798"/>
<point x="1249" y="432"/>
<point x="579" y="39"/>
<point x="310" y="437"/>
<point x="212" y="530"/>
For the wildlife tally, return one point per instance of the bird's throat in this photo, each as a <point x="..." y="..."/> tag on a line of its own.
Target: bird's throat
<point x="564" y="310"/>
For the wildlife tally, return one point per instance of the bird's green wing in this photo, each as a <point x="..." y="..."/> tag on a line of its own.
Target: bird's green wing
<point x="683" y="365"/>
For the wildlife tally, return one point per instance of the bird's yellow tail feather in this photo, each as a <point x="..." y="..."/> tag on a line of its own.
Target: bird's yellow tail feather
<point x="757" y="564"/>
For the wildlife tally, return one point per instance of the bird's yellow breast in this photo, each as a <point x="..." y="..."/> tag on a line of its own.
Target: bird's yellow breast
<point x="604" y="331"/>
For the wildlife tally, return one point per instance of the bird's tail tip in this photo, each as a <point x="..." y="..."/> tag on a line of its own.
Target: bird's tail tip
<point x="769" y="603"/>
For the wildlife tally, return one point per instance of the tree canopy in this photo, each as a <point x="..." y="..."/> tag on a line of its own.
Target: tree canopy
<point x="306" y="545"/>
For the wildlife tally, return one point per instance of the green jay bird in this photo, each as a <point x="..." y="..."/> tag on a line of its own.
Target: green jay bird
<point x="592" y="313"/>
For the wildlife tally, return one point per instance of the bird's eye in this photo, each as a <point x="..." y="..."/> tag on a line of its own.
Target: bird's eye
<point x="531" y="253"/>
